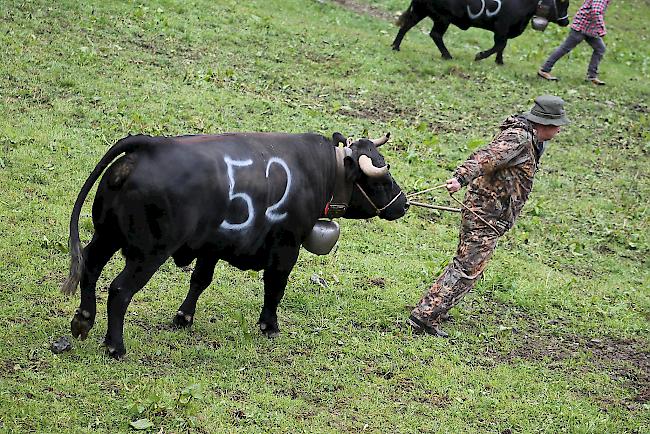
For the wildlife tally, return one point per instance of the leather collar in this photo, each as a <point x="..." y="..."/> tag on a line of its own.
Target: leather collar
<point x="338" y="204"/>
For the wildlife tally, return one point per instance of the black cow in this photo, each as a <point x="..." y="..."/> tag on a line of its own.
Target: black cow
<point x="248" y="198"/>
<point x="506" y="18"/>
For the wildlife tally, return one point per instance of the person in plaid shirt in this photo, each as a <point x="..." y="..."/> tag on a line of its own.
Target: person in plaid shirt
<point x="588" y="24"/>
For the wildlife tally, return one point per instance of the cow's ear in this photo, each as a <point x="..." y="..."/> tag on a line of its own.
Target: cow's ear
<point x="352" y="171"/>
<point x="338" y="138"/>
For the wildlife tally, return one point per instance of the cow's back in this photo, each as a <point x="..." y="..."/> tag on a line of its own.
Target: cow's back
<point x="510" y="14"/>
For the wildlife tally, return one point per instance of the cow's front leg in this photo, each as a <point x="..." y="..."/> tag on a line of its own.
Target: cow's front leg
<point x="274" y="284"/>
<point x="437" y="32"/>
<point x="499" y="45"/>
<point x="96" y="255"/>
<point x="499" y="59"/>
<point x="201" y="278"/>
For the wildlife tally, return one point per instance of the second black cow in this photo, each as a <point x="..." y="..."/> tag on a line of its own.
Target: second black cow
<point x="250" y="199"/>
<point x="506" y="18"/>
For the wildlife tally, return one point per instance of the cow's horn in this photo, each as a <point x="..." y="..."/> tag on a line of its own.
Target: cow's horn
<point x="381" y="140"/>
<point x="366" y="166"/>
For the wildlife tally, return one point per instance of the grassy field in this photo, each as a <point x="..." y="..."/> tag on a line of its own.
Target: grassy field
<point x="555" y="338"/>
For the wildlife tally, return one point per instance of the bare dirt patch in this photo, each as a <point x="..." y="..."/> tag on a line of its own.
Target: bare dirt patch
<point x="458" y="72"/>
<point x="382" y="111"/>
<point x="380" y="108"/>
<point x="640" y="107"/>
<point x="623" y="359"/>
<point x="8" y="368"/>
<point x="366" y="9"/>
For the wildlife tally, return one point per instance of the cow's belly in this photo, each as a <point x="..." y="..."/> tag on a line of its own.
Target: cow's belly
<point x="258" y="248"/>
<point x="247" y="262"/>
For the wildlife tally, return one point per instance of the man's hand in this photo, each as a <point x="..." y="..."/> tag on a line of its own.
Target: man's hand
<point x="452" y="185"/>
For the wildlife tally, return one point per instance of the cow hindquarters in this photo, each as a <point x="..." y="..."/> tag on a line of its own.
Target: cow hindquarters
<point x="96" y="254"/>
<point x="133" y="277"/>
<point x="406" y="21"/>
<point x="201" y="278"/>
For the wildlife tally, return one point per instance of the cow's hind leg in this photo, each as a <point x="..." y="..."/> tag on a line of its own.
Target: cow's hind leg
<point x="96" y="254"/>
<point x="135" y="275"/>
<point x="406" y="21"/>
<point x="499" y="45"/>
<point x="437" y="32"/>
<point x="201" y="278"/>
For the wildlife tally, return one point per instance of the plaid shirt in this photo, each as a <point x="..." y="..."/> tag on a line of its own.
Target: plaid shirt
<point x="590" y="18"/>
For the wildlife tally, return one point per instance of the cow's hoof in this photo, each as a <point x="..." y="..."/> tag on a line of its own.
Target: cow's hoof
<point x="447" y="56"/>
<point x="183" y="320"/>
<point x="395" y="48"/>
<point x="113" y="351"/>
<point x="269" y="330"/>
<point x="272" y="334"/>
<point x="81" y="324"/>
<point x="478" y="57"/>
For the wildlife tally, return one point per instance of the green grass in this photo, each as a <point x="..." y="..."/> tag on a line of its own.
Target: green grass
<point x="553" y="339"/>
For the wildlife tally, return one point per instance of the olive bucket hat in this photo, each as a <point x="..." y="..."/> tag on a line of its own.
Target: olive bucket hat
<point x="548" y="110"/>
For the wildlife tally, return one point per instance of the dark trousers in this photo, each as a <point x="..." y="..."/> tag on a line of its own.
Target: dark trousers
<point x="570" y="43"/>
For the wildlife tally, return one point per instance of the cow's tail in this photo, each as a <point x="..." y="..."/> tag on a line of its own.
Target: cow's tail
<point x="404" y="16"/>
<point x="400" y="20"/>
<point x="127" y="144"/>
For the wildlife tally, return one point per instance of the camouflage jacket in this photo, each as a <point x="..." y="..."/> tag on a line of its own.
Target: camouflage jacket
<point x="500" y="175"/>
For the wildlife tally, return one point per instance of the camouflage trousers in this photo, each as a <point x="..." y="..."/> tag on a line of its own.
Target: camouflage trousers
<point x="475" y="248"/>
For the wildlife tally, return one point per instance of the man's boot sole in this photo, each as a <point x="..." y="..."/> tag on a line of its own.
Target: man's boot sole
<point x="420" y="327"/>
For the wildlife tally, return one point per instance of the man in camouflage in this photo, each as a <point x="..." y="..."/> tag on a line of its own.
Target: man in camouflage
<point x="499" y="179"/>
